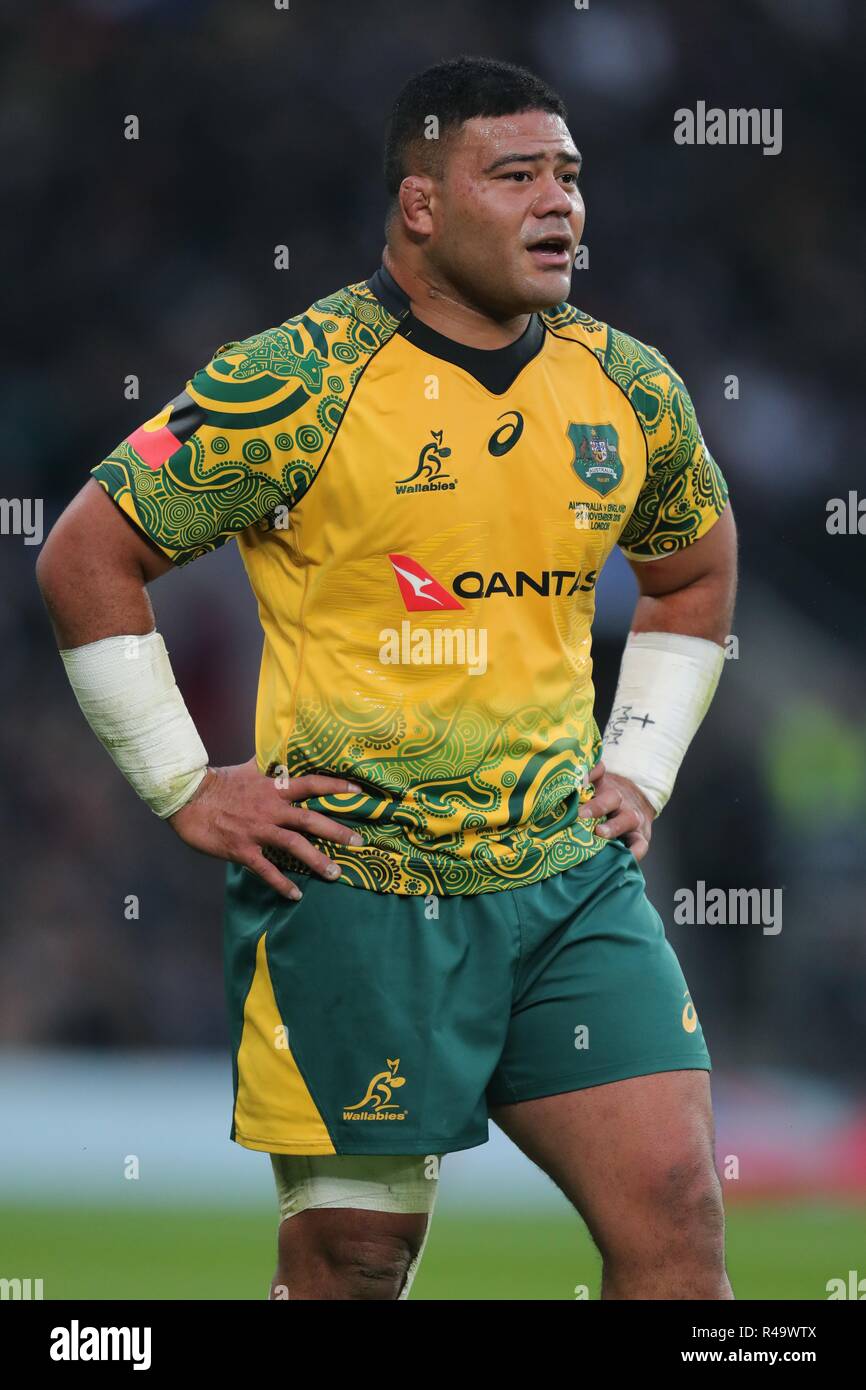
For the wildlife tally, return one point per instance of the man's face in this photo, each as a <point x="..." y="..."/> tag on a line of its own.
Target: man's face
<point x="507" y="215"/>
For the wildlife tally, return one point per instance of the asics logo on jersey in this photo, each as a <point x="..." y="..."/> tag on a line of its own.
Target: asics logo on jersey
<point x="376" y="1103"/>
<point x="507" y="435"/>
<point x="429" y="469"/>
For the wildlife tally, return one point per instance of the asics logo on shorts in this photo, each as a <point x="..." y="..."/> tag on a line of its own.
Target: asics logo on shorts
<point x="690" y="1017"/>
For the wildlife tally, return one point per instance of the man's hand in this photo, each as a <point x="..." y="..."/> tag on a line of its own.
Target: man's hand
<point x="629" y="814"/>
<point x="237" y="810"/>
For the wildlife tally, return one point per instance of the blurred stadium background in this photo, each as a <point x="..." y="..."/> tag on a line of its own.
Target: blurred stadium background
<point x="261" y="126"/>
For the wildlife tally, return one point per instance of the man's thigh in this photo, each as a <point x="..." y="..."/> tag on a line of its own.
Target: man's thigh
<point x="604" y="1077"/>
<point x="599" y="993"/>
<point x="635" y="1157"/>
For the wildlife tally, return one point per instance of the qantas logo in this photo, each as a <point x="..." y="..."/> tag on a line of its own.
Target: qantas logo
<point x="424" y="646"/>
<point x="558" y="583"/>
<point x="421" y="593"/>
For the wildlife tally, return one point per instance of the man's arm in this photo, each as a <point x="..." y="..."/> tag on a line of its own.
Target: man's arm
<point x="693" y="590"/>
<point x="690" y="593"/>
<point x="93" y="571"/>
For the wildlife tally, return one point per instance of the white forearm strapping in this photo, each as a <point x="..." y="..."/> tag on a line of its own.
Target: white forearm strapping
<point x="666" y="683"/>
<point x="128" y="695"/>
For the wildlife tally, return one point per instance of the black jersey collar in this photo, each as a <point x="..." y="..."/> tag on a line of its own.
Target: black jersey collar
<point x="495" y="368"/>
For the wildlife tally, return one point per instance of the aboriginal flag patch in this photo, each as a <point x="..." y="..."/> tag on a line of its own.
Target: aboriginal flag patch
<point x="156" y="440"/>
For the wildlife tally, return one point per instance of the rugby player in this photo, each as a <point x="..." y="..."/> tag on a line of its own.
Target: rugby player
<point x="435" y="911"/>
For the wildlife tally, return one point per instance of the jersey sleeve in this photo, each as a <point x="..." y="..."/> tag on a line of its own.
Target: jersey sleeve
<point x="684" y="492"/>
<point x="219" y="457"/>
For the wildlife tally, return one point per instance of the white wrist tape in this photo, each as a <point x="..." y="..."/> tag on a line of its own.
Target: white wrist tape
<point x="666" y="684"/>
<point x="127" y="692"/>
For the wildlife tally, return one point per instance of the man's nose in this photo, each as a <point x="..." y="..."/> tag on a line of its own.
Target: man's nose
<point x="551" y="197"/>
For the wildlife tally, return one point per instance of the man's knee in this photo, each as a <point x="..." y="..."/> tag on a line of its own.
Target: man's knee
<point x="347" y="1254"/>
<point x="691" y="1208"/>
<point x="368" y="1267"/>
<point x="676" y="1208"/>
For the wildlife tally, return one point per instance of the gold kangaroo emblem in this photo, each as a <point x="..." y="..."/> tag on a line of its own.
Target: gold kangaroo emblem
<point x="379" y="1090"/>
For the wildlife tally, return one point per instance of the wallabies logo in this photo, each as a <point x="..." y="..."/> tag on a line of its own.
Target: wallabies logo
<point x="376" y="1104"/>
<point x="429" y="469"/>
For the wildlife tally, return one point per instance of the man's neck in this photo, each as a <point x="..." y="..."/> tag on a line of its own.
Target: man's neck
<point x="440" y="307"/>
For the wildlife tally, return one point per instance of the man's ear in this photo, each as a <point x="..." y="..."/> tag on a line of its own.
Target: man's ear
<point x="414" y="201"/>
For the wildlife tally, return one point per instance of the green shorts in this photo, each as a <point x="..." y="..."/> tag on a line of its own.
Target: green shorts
<point x="374" y="1023"/>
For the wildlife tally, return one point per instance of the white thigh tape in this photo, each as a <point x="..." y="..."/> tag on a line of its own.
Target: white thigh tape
<point x="374" y="1182"/>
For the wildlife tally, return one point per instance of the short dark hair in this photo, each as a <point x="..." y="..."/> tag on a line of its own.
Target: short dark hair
<point x="455" y="91"/>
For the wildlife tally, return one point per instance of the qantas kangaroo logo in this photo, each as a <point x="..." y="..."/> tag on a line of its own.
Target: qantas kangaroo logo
<point x="421" y="593"/>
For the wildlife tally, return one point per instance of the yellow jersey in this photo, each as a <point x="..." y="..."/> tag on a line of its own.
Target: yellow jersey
<point x="423" y="525"/>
